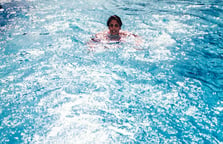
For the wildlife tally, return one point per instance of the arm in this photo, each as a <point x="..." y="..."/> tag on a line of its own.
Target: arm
<point x="97" y="38"/>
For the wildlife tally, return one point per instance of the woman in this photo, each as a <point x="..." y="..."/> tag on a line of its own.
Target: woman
<point x="114" y="32"/>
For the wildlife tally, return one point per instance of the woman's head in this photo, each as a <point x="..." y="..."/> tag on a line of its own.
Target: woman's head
<point x="114" y="24"/>
<point x="114" y="17"/>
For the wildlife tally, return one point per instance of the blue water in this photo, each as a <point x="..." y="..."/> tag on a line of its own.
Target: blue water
<point x="54" y="90"/>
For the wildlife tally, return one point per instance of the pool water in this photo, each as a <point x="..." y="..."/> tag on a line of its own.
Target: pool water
<point x="54" y="90"/>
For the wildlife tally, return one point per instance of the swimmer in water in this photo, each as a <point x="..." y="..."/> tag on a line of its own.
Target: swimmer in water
<point x="114" y="34"/>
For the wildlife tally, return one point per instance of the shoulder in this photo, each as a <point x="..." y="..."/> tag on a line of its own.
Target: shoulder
<point x="127" y="34"/>
<point x="100" y="36"/>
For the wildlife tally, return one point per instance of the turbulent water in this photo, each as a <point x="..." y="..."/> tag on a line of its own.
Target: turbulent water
<point x="54" y="90"/>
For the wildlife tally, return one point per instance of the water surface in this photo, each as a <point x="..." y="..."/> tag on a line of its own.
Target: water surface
<point x="54" y="90"/>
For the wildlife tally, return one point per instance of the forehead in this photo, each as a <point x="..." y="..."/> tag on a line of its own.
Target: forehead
<point x="114" y="21"/>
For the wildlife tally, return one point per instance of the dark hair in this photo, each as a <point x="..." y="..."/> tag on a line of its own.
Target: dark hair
<point x="114" y="17"/>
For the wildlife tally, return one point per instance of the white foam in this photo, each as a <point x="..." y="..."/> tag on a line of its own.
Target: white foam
<point x="163" y="40"/>
<point x="56" y="26"/>
<point x="191" y="111"/>
<point x="35" y="52"/>
<point x="219" y="109"/>
<point x="7" y="1"/>
<point x="3" y="91"/>
<point x="158" y="48"/>
<point x="176" y="27"/>
<point x="83" y="128"/>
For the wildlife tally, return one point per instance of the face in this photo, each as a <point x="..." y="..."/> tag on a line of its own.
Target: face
<point x="114" y="27"/>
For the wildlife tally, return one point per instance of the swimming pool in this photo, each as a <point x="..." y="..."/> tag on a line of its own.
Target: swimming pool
<point x="53" y="90"/>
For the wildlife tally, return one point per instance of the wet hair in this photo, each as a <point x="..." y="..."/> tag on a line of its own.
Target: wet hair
<point x="114" y="17"/>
